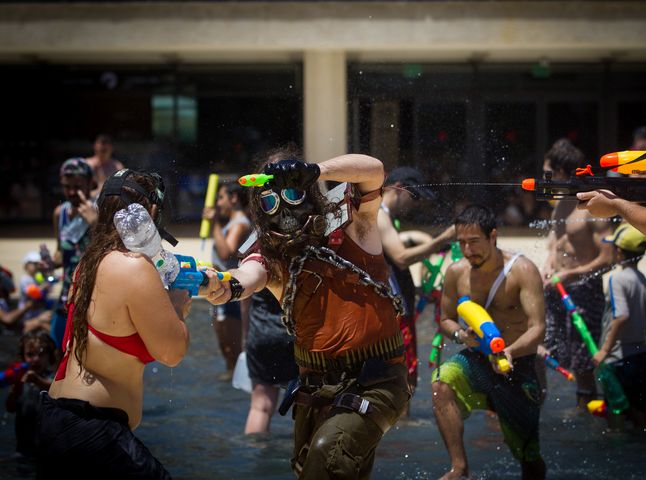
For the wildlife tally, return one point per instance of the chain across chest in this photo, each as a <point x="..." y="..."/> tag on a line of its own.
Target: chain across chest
<point x="330" y="257"/>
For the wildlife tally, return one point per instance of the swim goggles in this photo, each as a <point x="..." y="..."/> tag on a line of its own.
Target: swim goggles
<point x="270" y="201"/>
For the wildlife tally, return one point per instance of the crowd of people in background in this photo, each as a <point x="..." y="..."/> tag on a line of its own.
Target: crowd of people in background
<point x="581" y="249"/>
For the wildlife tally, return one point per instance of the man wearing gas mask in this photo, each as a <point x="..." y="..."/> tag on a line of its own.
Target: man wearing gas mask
<point x="321" y="256"/>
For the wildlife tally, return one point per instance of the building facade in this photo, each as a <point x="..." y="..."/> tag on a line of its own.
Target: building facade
<point x="467" y="91"/>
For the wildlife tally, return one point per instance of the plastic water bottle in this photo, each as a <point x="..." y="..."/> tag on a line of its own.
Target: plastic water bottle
<point x="74" y="230"/>
<point x="139" y="234"/>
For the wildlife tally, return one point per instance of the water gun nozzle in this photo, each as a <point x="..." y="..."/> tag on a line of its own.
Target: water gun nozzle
<point x="528" y="184"/>
<point x="497" y="345"/>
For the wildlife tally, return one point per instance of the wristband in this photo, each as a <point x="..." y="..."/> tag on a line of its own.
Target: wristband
<point x="236" y="289"/>
<point x="456" y="337"/>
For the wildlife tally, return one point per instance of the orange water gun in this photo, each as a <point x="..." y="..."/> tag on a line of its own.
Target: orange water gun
<point x="585" y="180"/>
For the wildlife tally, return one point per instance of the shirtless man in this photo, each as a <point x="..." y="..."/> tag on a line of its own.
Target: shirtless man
<point x="468" y="380"/>
<point x="575" y="253"/>
<point x="102" y="163"/>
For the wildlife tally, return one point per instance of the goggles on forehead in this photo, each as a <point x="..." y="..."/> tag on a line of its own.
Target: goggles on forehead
<point x="270" y="200"/>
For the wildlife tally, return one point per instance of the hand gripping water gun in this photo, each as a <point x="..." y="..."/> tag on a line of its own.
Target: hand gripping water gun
<point x="612" y="389"/>
<point x="255" y="180"/>
<point x="491" y="342"/>
<point x="628" y="162"/>
<point x="13" y="373"/>
<point x="209" y="201"/>
<point x="554" y="365"/>
<point x="191" y="278"/>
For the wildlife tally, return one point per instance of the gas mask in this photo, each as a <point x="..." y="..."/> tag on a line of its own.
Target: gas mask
<point x="290" y="216"/>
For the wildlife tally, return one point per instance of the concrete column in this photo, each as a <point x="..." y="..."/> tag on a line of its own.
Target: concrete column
<point x="325" y="121"/>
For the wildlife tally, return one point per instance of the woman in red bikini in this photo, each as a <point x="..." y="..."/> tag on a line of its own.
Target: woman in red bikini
<point x="120" y="318"/>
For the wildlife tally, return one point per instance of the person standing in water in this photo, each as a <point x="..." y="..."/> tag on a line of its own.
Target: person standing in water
<point x="120" y="318"/>
<point x="329" y="271"/>
<point x="575" y="254"/>
<point x="509" y="287"/>
<point x="231" y="227"/>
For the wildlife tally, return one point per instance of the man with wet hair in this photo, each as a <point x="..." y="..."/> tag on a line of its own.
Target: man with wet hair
<point x="323" y="259"/>
<point x="509" y="287"/>
<point x="575" y="255"/>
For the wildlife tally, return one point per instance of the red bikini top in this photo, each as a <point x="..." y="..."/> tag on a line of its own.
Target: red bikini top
<point x="132" y="344"/>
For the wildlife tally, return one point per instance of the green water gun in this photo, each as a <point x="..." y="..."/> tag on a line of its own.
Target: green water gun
<point x="435" y="356"/>
<point x="254" y="179"/>
<point x="612" y="389"/>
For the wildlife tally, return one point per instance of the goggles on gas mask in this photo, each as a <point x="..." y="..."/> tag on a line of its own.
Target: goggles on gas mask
<point x="270" y="200"/>
<point x="114" y="186"/>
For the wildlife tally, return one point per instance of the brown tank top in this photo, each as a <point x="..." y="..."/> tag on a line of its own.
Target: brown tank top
<point x="333" y="313"/>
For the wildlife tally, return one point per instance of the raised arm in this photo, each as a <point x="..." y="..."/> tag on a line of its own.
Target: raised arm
<point x="400" y="254"/>
<point x="364" y="171"/>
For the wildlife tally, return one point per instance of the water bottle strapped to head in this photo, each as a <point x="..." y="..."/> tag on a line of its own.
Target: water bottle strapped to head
<point x="139" y="234"/>
<point x="114" y="186"/>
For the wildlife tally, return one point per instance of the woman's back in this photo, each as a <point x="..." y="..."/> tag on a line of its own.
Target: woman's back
<point x="131" y="325"/>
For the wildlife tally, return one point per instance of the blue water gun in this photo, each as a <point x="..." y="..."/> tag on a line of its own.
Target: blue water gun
<point x="191" y="278"/>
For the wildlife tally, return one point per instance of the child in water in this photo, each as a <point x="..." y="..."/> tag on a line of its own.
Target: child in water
<point x="37" y="349"/>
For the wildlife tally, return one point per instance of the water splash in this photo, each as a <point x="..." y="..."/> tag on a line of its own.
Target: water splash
<point x="547" y="224"/>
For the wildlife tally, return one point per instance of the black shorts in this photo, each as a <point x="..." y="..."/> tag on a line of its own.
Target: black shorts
<point x="78" y="440"/>
<point x="270" y="349"/>
<point x="631" y="372"/>
<point x="561" y="337"/>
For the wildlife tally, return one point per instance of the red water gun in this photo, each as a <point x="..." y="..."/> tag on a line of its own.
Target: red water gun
<point x="13" y="374"/>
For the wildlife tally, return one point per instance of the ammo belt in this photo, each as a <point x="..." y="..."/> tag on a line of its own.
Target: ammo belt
<point x="385" y="349"/>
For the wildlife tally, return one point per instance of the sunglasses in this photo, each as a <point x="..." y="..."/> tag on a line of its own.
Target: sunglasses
<point x="270" y="201"/>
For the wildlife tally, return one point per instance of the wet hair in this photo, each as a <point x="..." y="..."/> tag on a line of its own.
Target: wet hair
<point x="262" y="222"/>
<point x="564" y="155"/>
<point x="477" y="215"/>
<point x="104" y="238"/>
<point x="41" y="337"/>
<point x="234" y="188"/>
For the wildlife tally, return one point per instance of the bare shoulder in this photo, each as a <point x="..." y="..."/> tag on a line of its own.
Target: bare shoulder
<point x="127" y="268"/>
<point x="524" y="269"/>
<point x="457" y="270"/>
<point x="92" y="162"/>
